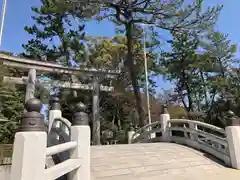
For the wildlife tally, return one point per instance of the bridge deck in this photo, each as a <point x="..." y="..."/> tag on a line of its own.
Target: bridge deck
<point x="155" y="161"/>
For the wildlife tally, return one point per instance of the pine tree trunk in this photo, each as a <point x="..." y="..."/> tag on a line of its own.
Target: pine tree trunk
<point x="133" y="77"/>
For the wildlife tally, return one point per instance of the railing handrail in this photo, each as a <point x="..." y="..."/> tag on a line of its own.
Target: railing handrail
<point x="61" y="169"/>
<point x="202" y="124"/>
<point x="145" y="127"/>
<point x="196" y="134"/>
<point x="65" y="121"/>
<point x="59" y="131"/>
<point x="209" y="126"/>
<point x="60" y="148"/>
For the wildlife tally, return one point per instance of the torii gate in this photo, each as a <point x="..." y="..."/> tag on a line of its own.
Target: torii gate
<point x="33" y="66"/>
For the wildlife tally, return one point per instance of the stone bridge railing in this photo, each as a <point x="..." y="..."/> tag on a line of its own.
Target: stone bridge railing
<point x="30" y="149"/>
<point x="221" y="143"/>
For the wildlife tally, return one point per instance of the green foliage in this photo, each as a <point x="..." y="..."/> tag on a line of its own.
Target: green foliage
<point x="111" y="54"/>
<point x="56" y="37"/>
<point x="201" y="70"/>
<point x="178" y="66"/>
<point x="169" y="15"/>
<point x="173" y="16"/>
<point x="11" y="106"/>
<point x="200" y="63"/>
<point x="118" y="108"/>
<point x="218" y="74"/>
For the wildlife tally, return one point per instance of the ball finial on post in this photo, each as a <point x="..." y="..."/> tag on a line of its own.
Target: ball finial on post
<point x="81" y="133"/>
<point x="33" y="105"/>
<point x="131" y="127"/>
<point x="164" y="118"/>
<point x="29" y="148"/>
<point x="80" y="117"/>
<point x="32" y="119"/>
<point x="80" y="107"/>
<point x="164" y="109"/>
<point x="232" y="119"/>
<point x="55" y="103"/>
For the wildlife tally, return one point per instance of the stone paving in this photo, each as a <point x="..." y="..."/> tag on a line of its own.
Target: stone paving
<point x="156" y="161"/>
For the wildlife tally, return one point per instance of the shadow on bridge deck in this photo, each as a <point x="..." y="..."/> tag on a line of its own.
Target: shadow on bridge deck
<point x="156" y="161"/>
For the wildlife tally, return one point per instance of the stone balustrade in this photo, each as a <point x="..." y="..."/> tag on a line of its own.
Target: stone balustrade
<point x="30" y="149"/>
<point x="70" y="141"/>
<point x="221" y="143"/>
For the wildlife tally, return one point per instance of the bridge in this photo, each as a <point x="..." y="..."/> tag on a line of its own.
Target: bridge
<point x="167" y="149"/>
<point x="155" y="161"/>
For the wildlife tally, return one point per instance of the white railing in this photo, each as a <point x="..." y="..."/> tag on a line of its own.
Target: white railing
<point x="30" y="154"/>
<point x="60" y="148"/>
<point x="147" y="132"/>
<point x="64" y="167"/>
<point x="31" y="151"/>
<point x="199" y="135"/>
<point x="65" y="122"/>
<point x="61" y="128"/>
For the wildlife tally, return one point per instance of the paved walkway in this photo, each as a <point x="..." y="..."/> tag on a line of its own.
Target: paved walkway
<point x="156" y="161"/>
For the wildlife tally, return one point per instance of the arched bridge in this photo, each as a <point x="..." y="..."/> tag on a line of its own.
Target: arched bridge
<point x="156" y="161"/>
<point x="169" y="149"/>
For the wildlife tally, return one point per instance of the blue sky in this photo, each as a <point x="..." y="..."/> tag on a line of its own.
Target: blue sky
<point x="18" y="15"/>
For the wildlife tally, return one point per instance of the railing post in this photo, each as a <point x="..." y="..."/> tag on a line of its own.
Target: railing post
<point x="53" y="138"/>
<point x="54" y="112"/>
<point x="164" y="118"/>
<point x="80" y="132"/>
<point x="28" y="161"/>
<point x="193" y="127"/>
<point x="130" y="134"/>
<point x="233" y="138"/>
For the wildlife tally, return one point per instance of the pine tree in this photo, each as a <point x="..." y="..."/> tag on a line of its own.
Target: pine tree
<point x="171" y="16"/>
<point x="56" y="38"/>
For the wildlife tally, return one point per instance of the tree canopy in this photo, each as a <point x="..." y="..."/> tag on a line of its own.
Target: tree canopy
<point x="200" y="63"/>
